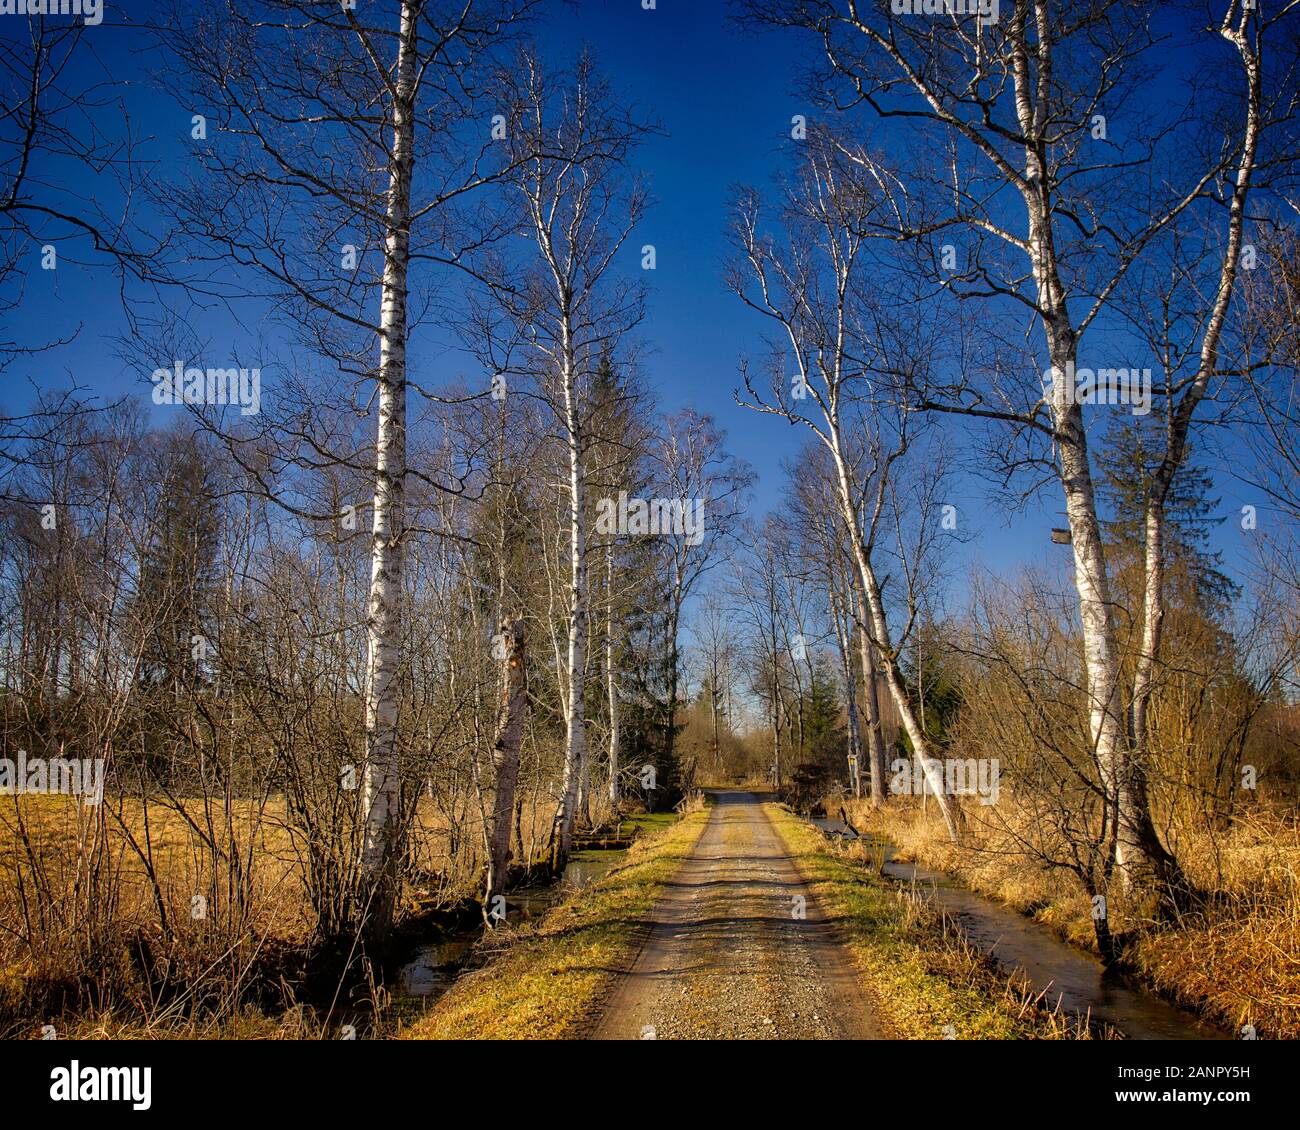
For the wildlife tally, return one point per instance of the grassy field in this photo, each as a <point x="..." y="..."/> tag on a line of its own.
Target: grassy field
<point x="85" y="891"/>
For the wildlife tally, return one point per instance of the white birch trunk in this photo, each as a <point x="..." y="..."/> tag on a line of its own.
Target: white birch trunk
<point x="875" y="744"/>
<point x="1100" y="650"/>
<point x="873" y="605"/>
<point x="611" y="681"/>
<point x="1180" y="418"/>
<point x="843" y="633"/>
<point x="576" y="737"/>
<point x="380" y="796"/>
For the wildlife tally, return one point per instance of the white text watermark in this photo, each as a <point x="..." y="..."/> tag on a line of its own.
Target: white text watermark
<point x="656" y="517"/>
<point x="90" y="11"/>
<point x="179" y="385"/>
<point x="75" y="1083"/>
<point x="74" y="776"/>
<point x="954" y="776"/>
<point x="1127" y="386"/>
<point x="986" y="10"/>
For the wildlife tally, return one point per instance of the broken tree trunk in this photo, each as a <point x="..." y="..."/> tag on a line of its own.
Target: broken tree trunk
<point x="512" y="711"/>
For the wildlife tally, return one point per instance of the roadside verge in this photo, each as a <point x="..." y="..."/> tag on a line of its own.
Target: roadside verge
<point x="547" y="980"/>
<point x="929" y="984"/>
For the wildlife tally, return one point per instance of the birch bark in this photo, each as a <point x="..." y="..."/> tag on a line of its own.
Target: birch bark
<point x="611" y="680"/>
<point x="381" y="796"/>
<point x="575" y="720"/>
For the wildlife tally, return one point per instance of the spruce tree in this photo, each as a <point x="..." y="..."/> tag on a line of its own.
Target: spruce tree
<point x="1128" y="462"/>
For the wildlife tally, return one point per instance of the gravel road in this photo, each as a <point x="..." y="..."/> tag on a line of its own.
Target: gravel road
<point x="726" y="955"/>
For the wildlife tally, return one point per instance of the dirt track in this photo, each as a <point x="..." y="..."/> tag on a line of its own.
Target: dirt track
<point x="726" y="957"/>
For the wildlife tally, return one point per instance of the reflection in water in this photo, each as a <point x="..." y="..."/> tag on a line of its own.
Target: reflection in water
<point x="430" y="971"/>
<point x="1075" y="978"/>
<point x="432" y="968"/>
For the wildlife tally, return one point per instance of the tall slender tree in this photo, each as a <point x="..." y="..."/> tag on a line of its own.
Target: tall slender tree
<point x="565" y="306"/>
<point x="363" y="123"/>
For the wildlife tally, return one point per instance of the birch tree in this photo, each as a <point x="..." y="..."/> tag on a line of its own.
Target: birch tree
<point x="505" y="750"/>
<point x="569" y="140"/>
<point x="332" y="141"/>
<point x="837" y="347"/>
<point x="822" y="529"/>
<point x="1012" y="168"/>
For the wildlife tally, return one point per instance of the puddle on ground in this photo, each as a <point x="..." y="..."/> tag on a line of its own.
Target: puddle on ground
<point x="432" y="968"/>
<point x="430" y="972"/>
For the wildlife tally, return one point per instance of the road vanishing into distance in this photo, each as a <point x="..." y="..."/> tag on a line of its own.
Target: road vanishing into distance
<point x="731" y="953"/>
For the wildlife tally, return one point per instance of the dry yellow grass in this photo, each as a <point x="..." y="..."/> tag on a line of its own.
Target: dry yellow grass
<point x="57" y="832"/>
<point x="1236" y="962"/>
<point x="77" y="903"/>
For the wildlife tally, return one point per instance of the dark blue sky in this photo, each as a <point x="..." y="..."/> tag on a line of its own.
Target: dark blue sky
<point x="724" y="98"/>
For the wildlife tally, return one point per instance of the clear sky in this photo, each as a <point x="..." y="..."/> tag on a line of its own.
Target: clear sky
<point x="724" y="98"/>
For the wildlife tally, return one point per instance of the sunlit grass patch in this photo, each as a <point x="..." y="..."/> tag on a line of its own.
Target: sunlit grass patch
<point x="926" y="981"/>
<point x="549" y="977"/>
